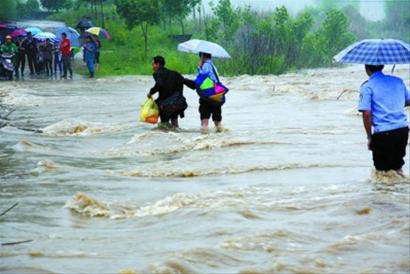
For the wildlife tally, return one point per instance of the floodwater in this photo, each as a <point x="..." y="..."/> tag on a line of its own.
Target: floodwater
<point x="287" y="188"/>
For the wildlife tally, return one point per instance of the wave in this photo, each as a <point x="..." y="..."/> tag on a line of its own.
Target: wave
<point x="26" y="270"/>
<point x="155" y="172"/>
<point x="87" y="206"/>
<point x="170" y="267"/>
<point x="268" y="241"/>
<point x="239" y="199"/>
<point x="79" y="128"/>
<point x="153" y="143"/>
<point x="21" y="97"/>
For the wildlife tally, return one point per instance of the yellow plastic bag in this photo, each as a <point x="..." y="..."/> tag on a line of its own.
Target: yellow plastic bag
<point x="149" y="112"/>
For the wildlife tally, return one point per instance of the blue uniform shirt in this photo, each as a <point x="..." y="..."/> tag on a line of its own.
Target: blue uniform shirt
<point x="209" y="69"/>
<point x="90" y="54"/>
<point x="385" y="96"/>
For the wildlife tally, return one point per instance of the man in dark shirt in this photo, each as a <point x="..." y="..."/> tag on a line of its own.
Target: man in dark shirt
<point x="169" y="84"/>
<point x="30" y="48"/>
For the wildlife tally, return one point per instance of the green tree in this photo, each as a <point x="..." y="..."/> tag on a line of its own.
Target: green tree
<point x="55" y="5"/>
<point x="397" y="20"/>
<point x="141" y="13"/>
<point x="299" y="28"/>
<point x="227" y="18"/>
<point x="178" y="9"/>
<point x="336" y="30"/>
<point x="7" y="9"/>
<point x="25" y="10"/>
<point x="333" y="35"/>
<point x="358" y="24"/>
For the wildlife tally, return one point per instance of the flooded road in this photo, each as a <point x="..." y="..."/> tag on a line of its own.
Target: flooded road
<point x="288" y="188"/>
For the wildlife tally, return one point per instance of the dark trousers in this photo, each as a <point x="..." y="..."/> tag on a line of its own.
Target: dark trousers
<point x="389" y="148"/>
<point x="57" y="63"/>
<point x="67" y="65"/>
<point x="97" y="57"/>
<point x="20" y="63"/>
<point x="49" y="65"/>
<point x="32" y="62"/>
<point x="206" y="109"/>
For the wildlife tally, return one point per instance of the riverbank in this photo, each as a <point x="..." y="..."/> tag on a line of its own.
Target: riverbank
<point x="259" y="43"/>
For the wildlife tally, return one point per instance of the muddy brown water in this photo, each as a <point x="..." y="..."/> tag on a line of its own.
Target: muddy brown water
<point x="287" y="188"/>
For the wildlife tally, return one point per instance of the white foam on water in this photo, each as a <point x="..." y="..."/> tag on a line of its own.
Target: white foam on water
<point x="72" y="127"/>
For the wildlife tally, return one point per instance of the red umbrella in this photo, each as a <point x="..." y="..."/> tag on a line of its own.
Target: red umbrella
<point x="17" y="33"/>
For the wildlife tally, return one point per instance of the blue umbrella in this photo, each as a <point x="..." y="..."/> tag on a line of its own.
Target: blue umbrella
<point x="72" y="35"/>
<point x="45" y="35"/>
<point x="376" y="52"/>
<point x="33" y="30"/>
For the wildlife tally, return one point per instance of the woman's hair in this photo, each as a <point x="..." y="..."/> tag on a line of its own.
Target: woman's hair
<point x="206" y="55"/>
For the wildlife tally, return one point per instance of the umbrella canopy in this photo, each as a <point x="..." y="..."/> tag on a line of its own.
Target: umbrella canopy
<point x="45" y="35"/>
<point x="85" y="23"/>
<point x="18" y="33"/>
<point x="376" y="52"/>
<point x="197" y="46"/>
<point x="33" y="30"/>
<point x="102" y="33"/>
<point x="72" y="35"/>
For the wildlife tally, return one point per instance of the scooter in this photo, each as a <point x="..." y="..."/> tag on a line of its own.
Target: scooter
<point x="7" y="66"/>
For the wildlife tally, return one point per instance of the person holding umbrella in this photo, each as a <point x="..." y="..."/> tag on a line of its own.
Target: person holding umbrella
<point x="382" y="100"/>
<point x="65" y="49"/>
<point x="90" y="49"/>
<point x="209" y="88"/>
<point x="47" y="51"/>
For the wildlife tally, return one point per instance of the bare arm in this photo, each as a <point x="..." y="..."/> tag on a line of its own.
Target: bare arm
<point x="367" y="123"/>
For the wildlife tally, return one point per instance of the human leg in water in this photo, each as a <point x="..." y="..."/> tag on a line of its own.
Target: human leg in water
<point x="174" y="123"/>
<point x="204" y="125"/>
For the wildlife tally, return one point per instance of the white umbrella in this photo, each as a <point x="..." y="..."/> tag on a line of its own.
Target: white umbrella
<point x="197" y="46"/>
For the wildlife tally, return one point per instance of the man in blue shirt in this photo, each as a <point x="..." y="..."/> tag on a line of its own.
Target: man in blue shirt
<point x="90" y="49"/>
<point x="382" y="101"/>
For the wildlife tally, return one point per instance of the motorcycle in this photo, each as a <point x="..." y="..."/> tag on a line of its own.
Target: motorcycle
<point x="7" y="66"/>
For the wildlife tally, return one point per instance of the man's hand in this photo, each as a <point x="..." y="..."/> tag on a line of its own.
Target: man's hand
<point x="369" y="144"/>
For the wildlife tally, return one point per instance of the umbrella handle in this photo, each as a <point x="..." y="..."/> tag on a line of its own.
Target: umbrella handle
<point x="392" y="70"/>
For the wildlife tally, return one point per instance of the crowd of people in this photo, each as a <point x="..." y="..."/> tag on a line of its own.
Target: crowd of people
<point x="49" y="57"/>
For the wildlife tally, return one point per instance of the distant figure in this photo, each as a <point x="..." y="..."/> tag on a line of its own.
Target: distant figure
<point x="20" y="59"/>
<point x="10" y="48"/>
<point x="90" y="49"/>
<point x="382" y="101"/>
<point x="65" y="49"/>
<point x="169" y="84"/>
<point x="97" y="53"/>
<point x="30" y="47"/>
<point x="48" y="56"/>
<point x="57" y="58"/>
